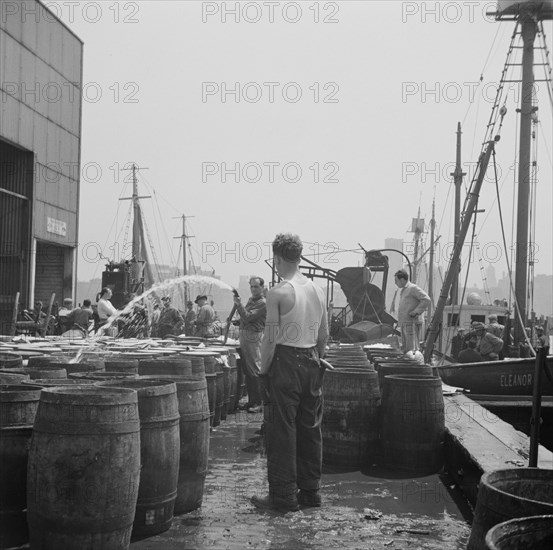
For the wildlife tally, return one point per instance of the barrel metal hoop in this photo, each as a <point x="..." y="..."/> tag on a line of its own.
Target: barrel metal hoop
<point x="86" y="428"/>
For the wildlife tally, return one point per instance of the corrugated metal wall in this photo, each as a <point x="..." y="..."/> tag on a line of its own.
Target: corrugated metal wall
<point x="49" y="274"/>
<point x="40" y="139"/>
<point x="16" y="184"/>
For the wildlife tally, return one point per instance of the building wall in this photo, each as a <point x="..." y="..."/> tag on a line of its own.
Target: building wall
<point x="40" y="114"/>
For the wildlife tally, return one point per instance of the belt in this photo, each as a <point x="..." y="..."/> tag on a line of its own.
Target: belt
<point x="297" y="350"/>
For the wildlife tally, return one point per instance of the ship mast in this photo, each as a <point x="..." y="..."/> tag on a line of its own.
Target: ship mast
<point x="458" y="175"/>
<point x="184" y="237"/>
<point x="453" y="270"/>
<point x="431" y="260"/>
<point x="139" y="263"/>
<point x="528" y="31"/>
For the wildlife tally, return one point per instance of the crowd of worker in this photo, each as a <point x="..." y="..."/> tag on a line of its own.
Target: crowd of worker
<point x="486" y="342"/>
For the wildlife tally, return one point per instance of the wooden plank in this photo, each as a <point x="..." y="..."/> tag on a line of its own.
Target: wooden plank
<point x="478" y="441"/>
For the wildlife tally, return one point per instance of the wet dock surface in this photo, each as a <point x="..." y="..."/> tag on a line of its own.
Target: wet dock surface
<point x="370" y="510"/>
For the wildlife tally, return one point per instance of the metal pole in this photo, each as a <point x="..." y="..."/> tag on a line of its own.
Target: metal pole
<point x="536" y="407"/>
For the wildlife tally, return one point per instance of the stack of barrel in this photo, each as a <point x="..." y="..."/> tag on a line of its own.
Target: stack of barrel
<point x="412" y="413"/>
<point x="164" y="399"/>
<point x="378" y="404"/>
<point x="112" y="453"/>
<point x="351" y="401"/>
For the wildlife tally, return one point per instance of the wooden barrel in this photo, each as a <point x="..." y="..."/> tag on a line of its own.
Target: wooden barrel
<point x="158" y="410"/>
<point x="179" y="366"/>
<point x="10" y="360"/>
<point x="226" y="392"/>
<point x="18" y="406"/>
<point x="211" y="381"/>
<point x="112" y="364"/>
<point x="233" y="379"/>
<point x="413" y="423"/>
<point x="84" y="465"/>
<point x="37" y="361"/>
<point x="83" y="366"/>
<point x="508" y="494"/>
<point x="388" y="370"/>
<point x="194" y="441"/>
<point x="219" y="397"/>
<point x="233" y="375"/>
<point x="47" y="371"/>
<point x="13" y="377"/>
<point x="53" y="382"/>
<point x="530" y="533"/>
<point x="208" y="357"/>
<point x="350" y="418"/>
<point x="80" y="361"/>
<point x="99" y="376"/>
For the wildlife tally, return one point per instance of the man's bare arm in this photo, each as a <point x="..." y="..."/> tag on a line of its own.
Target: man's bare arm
<point x="268" y="343"/>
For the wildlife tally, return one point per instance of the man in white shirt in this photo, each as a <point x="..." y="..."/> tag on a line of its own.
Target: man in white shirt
<point x="413" y="302"/>
<point x="291" y="380"/>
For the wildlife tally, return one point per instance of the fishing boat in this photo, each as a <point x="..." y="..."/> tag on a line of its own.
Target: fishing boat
<point x="507" y="381"/>
<point x="138" y="269"/>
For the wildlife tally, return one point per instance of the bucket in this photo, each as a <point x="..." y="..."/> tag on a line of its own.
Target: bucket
<point x="350" y="418"/>
<point x="194" y="441"/>
<point x="531" y="533"/>
<point x="509" y="494"/>
<point x="84" y="465"/>
<point x="158" y="410"/>
<point x="413" y="423"/>
<point x="18" y="406"/>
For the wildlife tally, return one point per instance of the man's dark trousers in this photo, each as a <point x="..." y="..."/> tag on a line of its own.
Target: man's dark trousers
<point x="293" y="418"/>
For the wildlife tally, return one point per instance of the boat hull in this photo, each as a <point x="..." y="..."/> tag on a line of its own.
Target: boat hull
<point x="509" y="377"/>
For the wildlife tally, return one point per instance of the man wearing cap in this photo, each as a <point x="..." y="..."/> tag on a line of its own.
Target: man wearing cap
<point x="488" y="345"/>
<point x="252" y="325"/>
<point x="494" y="327"/>
<point x="205" y="327"/>
<point x="189" y="318"/>
<point x="170" y="320"/>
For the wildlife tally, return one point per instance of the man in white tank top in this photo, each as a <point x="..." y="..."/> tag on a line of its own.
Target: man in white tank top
<point x="291" y="379"/>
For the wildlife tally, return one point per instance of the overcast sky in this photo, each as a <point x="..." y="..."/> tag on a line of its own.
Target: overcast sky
<point x="341" y="117"/>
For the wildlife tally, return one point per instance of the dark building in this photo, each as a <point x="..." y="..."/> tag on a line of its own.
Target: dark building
<point x="40" y="142"/>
